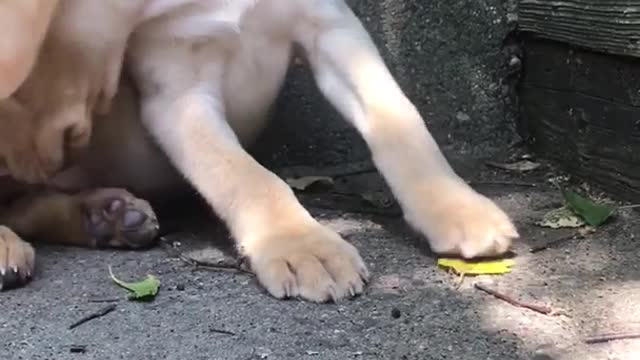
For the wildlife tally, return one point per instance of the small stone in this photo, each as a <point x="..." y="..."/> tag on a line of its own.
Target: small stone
<point x="180" y="287"/>
<point x="515" y="62"/>
<point x="395" y="313"/>
<point x="462" y="117"/>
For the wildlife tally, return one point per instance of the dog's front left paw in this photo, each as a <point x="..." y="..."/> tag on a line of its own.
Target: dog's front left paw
<point x="312" y="262"/>
<point x="459" y="221"/>
<point x="17" y="260"/>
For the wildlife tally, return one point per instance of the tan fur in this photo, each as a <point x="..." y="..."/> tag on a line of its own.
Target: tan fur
<point x="203" y="98"/>
<point x="24" y="26"/>
<point x="76" y="74"/>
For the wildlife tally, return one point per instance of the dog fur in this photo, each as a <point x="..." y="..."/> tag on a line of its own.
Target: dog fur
<point x="77" y="64"/>
<point x="208" y="71"/>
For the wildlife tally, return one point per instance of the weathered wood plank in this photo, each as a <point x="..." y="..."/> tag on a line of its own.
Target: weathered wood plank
<point x="582" y="109"/>
<point x="609" y="26"/>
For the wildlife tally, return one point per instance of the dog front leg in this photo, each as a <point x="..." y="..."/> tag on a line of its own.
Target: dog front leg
<point x="352" y="75"/>
<point x="291" y="254"/>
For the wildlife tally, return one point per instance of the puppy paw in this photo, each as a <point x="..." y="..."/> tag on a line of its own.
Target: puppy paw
<point x="115" y="218"/>
<point x="17" y="260"/>
<point x="459" y="221"/>
<point x="313" y="263"/>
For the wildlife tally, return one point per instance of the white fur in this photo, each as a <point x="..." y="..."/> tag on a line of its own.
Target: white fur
<point x="209" y="70"/>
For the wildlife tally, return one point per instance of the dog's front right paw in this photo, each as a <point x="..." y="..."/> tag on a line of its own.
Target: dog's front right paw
<point x="459" y="221"/>
<point x="17" y="260"/>
<point x="312" y="262"/>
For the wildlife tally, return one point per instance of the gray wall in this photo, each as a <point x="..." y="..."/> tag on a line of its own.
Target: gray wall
<point x="448" y="56"/>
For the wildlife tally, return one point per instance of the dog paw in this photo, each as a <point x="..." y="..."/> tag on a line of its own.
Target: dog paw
<point x="17" y="260"/>
<point x="459" y="221"/>
<point x="116" y="218"/>
<point x="313" y="263"/>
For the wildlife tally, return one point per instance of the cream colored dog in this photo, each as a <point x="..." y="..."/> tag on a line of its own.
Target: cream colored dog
<point x="209" y="70"/>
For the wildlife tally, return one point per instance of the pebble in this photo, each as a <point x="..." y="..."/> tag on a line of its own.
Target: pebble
<point x="462" y="117"/>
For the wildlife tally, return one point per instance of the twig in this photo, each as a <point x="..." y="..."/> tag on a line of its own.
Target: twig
<point x="595" y="339"/>
<point x="204" y="265"/>
<point x="105" y="300"/>
<point x="542" y="309"/>
<point x="551" y="243"/>
<point x="102" y="312"/>
<point x="459" y="281"/>
<point x="342" y="170"/>
<point x="502" y="182"/>
<point x="78" y="349"/>
<point x="633" y="206"/>
<point x="220" y="331"/>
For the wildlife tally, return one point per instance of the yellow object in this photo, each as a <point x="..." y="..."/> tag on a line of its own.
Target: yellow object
<point x="477" y="268"/>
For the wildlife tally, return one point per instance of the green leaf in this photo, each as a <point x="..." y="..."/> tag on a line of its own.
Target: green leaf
<point x="144" y="290"/>
<point x="593" y="214"/>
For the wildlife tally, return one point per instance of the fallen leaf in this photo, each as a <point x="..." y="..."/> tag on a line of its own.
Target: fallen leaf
<point x="302" y="183"/>
<point x="492" y="267"/>
<point x="142" y="290"/>
<point x="592" y="213"/>
<point x="378" y="199"/>
<point x="559" y="218"/>
<point x="521" y="166"/>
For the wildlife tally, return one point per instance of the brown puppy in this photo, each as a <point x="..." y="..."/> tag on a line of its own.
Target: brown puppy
<point x="83" y="214"/>
<point x="24" y="25"/>
<point x="208" y="73"/>
<point x="62" y="80"/>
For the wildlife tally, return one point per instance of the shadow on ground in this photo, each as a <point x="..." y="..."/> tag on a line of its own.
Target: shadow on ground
<point x="411" y="310"/>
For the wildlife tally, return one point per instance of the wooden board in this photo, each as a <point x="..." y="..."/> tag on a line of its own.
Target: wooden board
<point x="582" y="109"/>
<point x="611" y="26"/>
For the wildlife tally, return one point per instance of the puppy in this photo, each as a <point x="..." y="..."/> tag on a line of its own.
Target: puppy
<point x="25" y="24"/>
<point x="84" y="205"/>
<point x="76" y="66"/>
<point x="208" y="71"/>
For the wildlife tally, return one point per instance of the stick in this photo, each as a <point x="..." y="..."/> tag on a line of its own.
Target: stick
<point x="550" y="243"/>
<point x="502" y="182"/>
<point x="629" y="206"/>
<point x="102" y="312"/>
<point x="537" y="308"/>
<point x="105" y="300"/>
<point x="595" y="339"/>
<point x="220" y="331"/>
<point x="199" y="264"/>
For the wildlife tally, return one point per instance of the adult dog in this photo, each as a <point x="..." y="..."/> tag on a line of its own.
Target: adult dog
<point x="208" y="71"/>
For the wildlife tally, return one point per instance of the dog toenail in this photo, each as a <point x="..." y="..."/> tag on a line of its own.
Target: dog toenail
<point x="134" y="218"/>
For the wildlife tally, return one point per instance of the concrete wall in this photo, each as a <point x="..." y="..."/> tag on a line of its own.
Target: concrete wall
<point x="449" y="58"/>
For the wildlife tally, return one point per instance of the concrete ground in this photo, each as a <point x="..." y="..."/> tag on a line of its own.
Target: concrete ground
<point x="452" y="60"/>
<point x="411" y="310"/>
